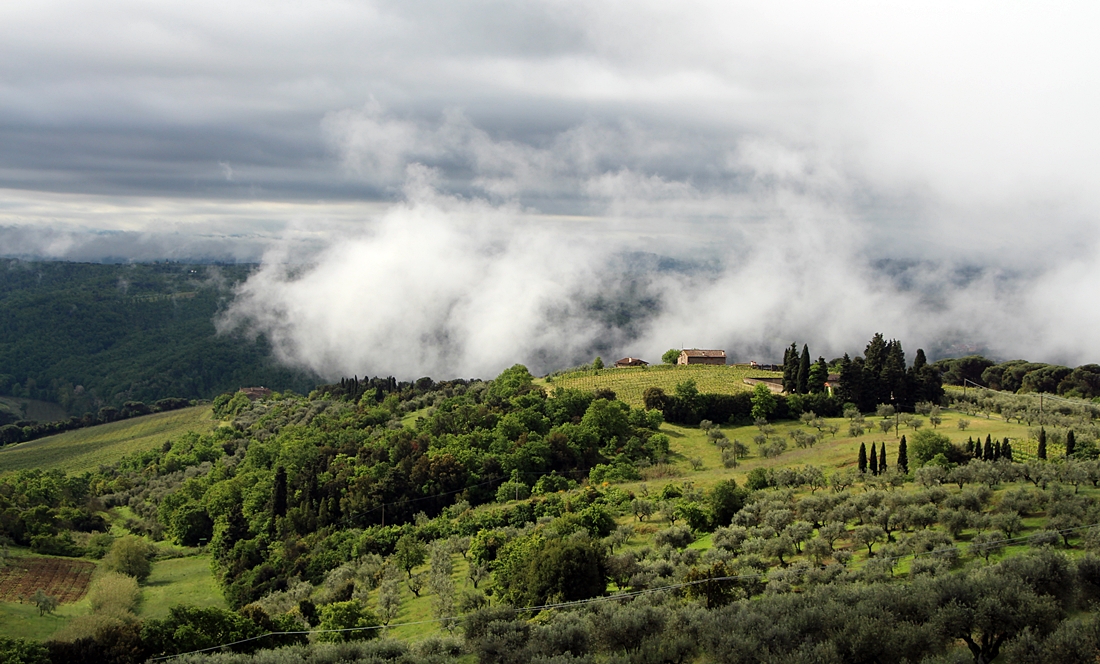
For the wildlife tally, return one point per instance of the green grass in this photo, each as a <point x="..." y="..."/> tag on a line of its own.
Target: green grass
<point x="180" y="581"/>
<point x="86" y="449"/>
<point x="630" y="383"/>
<point x="23" y="621"/>
<point x="831" y="453"/>
<point x="32" y="409"/>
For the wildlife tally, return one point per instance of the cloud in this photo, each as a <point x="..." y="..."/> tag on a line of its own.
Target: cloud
<point x="805" y="171"/>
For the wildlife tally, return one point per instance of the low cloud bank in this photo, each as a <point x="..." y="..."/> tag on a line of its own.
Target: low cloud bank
<point x="467" y="275"/>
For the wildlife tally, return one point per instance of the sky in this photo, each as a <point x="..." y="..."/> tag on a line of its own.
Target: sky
<point x="445" y="189"/>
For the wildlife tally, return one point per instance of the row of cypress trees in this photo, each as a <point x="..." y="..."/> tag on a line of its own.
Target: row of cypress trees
<point x="876" y="463"/>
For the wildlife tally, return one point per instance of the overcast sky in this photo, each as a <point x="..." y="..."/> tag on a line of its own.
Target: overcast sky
<point x="473" y="173"/>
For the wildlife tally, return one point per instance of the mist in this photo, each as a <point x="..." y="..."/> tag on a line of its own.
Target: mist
<point x="466" y="276"/>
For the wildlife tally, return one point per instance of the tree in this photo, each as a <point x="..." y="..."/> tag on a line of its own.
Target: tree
<point x="354" y="621"/>
<point x="278" y="493"/>
<point x="533" y="571"/>
<point x="790" y="369"/>
<point x="129" y="555"/>
<point x="597" y="363"/>
<point x="1042" y="451"/>
<point x="903" y="456"/>
<point x="671" y="356"/>
<point x="873" y="461"/>
<point x="45" y="603"/>
<point x="862" y="458"/>
<point x="927" y="444"/>
<point x="1071" y="443"/>
<point x="726" y="500"/>
<point x="804" y="370"/>
<point x="882" y="459"/>
<point x="763" y="402"/>
<point x="868" y="536"/>
<point x="819" y="375"/>
<point x="409" y="553"/>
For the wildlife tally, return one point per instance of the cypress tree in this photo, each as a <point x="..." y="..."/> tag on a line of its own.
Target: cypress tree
<point x="804" y="370"/>
<point x="1042" y="453"/>
<point x="873" y="461"/>
<point x="987" y="454"/>
<point x="278" y="493"/>
<point x="863" y="457"/>
<point x="1071" y="443"/>
<point x="970" y="446"/>
<point x="882" y="459"/>
<point x="1006" y="451"/>
<point x="996" y="450"/>
<point x="790" y="369"/>
<point x="903" y="457"/>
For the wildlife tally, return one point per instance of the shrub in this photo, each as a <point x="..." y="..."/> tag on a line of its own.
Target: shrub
<point x="114" y="593"/>
<point x="350" y="615"/>
<point x="129" y="555"/>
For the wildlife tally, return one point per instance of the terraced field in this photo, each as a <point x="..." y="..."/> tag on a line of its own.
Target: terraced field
<point x="631" y="382"/>
<point x="86" y="449"/>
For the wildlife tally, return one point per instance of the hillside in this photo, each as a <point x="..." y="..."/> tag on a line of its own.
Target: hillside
<point x="630" y="383"/>
<point x="432" y="506"/>
<point x="87" y="449"/>
<point x="88" y="335"/>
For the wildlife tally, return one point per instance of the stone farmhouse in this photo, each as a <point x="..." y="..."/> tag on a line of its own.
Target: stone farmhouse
<point x="696" y="356"/>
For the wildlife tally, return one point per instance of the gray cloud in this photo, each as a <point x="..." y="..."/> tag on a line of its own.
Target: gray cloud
<point x="924" y="171"/>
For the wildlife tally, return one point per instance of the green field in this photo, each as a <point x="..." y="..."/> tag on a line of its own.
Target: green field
<point x="86" y="449"/>
<point x="831" y="453"/>
<point x="630" y="383"/>
<point x="32" y="409"/>
<point x="180" y="581"/>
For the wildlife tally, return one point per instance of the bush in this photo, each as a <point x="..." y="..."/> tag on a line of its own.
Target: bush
<point x="925" y="445"/>
<point x="114" y="593"/>
<point x="676" y="536"/>
<point x="129" y="555"/>
<point x="350" y="615"/>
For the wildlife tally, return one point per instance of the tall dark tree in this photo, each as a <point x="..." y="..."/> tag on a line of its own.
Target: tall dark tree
<point x="278" y="493"/>
<point x="851" y="381"/>
<point x="970" y="446"/>
<point x="863" y="457"/>
<point x="873" y="461"/>
<point x="1042" y="452"/>
<point x="819" y="374"/>
<point x="1071" y="443"/>
<point x="987" y="451"/>
<point x="903" y="456"/>
<point x="1006" y="450"/>
<point x="790" y="369"/>
<point x="804" y="370"/>
<point x="996" y="450"/>
<point x="882" y="459"/>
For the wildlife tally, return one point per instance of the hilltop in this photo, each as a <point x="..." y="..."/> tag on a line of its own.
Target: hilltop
<point x="630" y="383"/>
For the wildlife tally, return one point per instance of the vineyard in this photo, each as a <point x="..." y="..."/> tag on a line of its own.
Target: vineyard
<point x="630" y="383"/>
<point x="64" y="578"/>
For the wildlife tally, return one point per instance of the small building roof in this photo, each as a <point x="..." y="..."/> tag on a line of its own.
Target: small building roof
<point x="696" y="352"/>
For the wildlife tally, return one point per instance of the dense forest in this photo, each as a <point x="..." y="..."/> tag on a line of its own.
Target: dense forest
<point x="88" y="336"/>
<point x="1021" y="376"/>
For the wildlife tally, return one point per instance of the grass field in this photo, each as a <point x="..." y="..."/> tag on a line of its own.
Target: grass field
<point x="86" y="449"/>
<point x="630" y="383"/>
<point x="32" y="409"/>
<point x="180" y="581"/>
<point x="830" y="453"/>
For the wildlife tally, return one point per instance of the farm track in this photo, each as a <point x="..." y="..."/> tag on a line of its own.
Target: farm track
<point x="64" y="578"/>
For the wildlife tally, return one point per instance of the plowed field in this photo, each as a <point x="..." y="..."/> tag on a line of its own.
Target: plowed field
<point x="63" y="578"/>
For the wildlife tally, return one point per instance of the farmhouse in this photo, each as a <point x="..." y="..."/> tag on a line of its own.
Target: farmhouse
<point x="631" y="362"/>
<point x="832" y="383"/>
<point x="696" y="356"/>
<point x="254" y="393"/>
